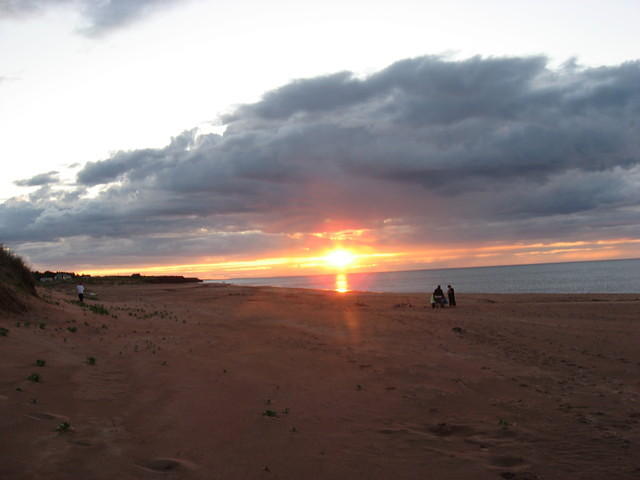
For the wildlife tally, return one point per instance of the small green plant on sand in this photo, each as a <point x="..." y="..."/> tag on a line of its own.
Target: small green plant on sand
<point x="40" y="363"/>
<point x="34" y="377"/>
<point x="4" y="332"/>
<point x="63" y="427"/>
<point x="270" y="413"/>
<point x="72" y="329"/>
<point x="98" y="309"/>
<point x="42" y="325"/>
<point x="91" y="360"/>
<point x="503" y="423"/>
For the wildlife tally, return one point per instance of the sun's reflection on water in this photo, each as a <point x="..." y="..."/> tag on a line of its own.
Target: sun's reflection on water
<point x="342" y="283"/>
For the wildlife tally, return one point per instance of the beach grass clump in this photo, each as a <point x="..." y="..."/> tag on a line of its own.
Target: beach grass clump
<point x="95" y="308"/>
<point x="504" y="423"/>
<point x="270" y="413"/>
<point x="91" y="360"/>
<point x="98" y="309"/>
<point x="14" y="272"/>
<point x="72" y="329"/>
<point x="4" y="332"/>
<point x="34" y="377"/>
<point x="41" y="363"/>
<point x="63" y="427"/>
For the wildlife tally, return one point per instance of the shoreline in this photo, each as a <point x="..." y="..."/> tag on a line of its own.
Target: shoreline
<point x="617" y="276"/>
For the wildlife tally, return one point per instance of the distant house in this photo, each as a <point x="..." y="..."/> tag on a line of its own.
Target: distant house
<point x="63" y="276"/>
<point x="46" y="279"/>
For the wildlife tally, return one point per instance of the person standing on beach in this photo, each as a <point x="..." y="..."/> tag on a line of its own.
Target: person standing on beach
<point x="452" y="296"/>
<point x="438" y="295"/>
<point x="80" y="290"/>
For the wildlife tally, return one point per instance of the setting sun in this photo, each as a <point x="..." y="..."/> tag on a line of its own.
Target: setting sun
<point x="339" y="258"/>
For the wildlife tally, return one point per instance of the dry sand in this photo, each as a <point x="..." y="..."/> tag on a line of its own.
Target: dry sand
<point x="371" y="386"/>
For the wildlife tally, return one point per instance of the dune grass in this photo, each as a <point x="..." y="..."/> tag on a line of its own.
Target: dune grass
<point x="14" y="271"/>
<point x="16" y="279"/>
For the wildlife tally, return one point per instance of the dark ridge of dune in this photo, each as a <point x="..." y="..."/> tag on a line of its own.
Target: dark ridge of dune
<point x="16" y="281"/>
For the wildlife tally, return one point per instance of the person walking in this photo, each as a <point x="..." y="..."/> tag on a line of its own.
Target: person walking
<point x="80" y="290"/>
<point x="452" y="296"/>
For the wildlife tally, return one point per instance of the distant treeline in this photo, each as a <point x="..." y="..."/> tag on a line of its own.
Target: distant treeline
<point x="49" y="276"/>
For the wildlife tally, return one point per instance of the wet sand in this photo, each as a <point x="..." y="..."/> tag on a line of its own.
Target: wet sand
<point x="223" y="382"/>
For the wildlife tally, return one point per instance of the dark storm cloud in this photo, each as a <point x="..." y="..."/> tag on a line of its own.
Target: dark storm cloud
<point x="425" y="151"/>
<point x="38" y="180"/>
<point x="101" y="15"/>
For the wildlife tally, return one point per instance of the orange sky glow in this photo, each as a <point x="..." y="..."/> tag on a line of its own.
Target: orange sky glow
<point x="361" y="259"/>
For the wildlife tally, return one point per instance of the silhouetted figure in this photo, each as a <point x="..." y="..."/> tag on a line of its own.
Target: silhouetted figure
<point x="80" y="290"/>
<point x="438" y="296"/>
<point x="451" y="293"/>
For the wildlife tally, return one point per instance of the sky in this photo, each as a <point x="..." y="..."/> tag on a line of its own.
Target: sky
<point x="240" y="138"/>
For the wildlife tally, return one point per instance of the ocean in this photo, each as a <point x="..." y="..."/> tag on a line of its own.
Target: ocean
<point x="608" y="276"/>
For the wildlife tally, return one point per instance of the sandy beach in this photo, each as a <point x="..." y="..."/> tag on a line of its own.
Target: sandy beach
<point x="206" y="381"/>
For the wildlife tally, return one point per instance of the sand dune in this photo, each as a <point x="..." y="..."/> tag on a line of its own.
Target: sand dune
<point x="224" y="382"/>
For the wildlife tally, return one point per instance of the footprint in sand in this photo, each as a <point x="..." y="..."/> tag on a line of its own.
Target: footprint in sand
<point x="46" y="416"/>
<point x="448" y="429"/>
<point x="516" y="468"/>
<point x="167" y="465"/>
<point x="519" y="476"/>
<point x="507" y="461"/>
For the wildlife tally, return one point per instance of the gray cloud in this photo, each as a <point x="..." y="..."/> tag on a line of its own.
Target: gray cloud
<point x="426" y="151"/>
<point x="101" y="15"/>
<point x="38" y="180"/>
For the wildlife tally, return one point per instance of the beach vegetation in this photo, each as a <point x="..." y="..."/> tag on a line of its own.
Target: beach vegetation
<point x="270" y="413"/>
<point x="4" y="332"/>
<point x="63" y="427"/>
<point x="41" y="363"/>
<point x="95" y="308"/>
<point x="504" y="423"/>
<point x="91" y="360"/>
<point x="15" y="272"/>
<point x="98" y="309"/>
<point x="34" y="377"/>
<point x="72" y="329"/>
